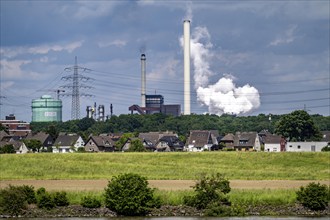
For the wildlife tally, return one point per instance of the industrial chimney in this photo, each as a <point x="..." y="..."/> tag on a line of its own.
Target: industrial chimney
<point x="143" y="80"/>
<point x="186" y="68"/>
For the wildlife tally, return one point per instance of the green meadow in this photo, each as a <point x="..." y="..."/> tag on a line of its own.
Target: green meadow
<point x="252" y="197"/>
<point x="171" y="166"/>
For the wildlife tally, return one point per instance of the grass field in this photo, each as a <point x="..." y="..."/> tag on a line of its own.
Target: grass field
<point x="167" y="166"/>
<point x="242" y="197"/>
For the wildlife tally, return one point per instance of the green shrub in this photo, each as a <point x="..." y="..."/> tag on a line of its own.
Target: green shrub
<point x="314" y="196"/>
<point x="129" y="195"/>
<point x="7" y="149"/>
<point x="326" y="148"/>
<point x="209" y="189"/>
<point x="28" y="192"/>
<point x="90" y="202"/>
<point x="12" y="200"/>
<point x="60" y="199"/>
<point x="44" y="199"/>
<point x="217" y="209"/>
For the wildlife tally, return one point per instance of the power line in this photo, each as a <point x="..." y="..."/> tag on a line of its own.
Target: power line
<point x="75" y="93"/>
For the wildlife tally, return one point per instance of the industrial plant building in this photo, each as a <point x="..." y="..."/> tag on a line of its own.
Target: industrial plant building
<point x="151" y="104"/>
<point x="46" y="109"/>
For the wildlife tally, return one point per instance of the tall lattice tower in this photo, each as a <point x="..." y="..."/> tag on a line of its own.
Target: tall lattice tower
<point x="75" y="86"/>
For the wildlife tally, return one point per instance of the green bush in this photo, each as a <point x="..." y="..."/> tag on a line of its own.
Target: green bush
<point x="209" y="189"/>
<point x="29" y="194"/>
<point x="90" y="202"/>
<point x="60" y="199"/>
<point x="7" y="149"/>
<point x="129" y="195"/>
<point x="314" y="196"/>
<point x="326" y="148"/>
<point x="44" y="199"/>
<point x="217" y="209"/>
<point x="12" y="200"/>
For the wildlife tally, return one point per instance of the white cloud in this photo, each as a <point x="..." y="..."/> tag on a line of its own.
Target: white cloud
<point x="286" y="38"/>
<point x="91" y="9"/>
<point x="11" y="52"/>
<point x="117" y="43"/>
<point x="12" y="69"/>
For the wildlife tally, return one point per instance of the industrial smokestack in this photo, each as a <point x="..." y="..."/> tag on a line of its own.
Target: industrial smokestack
<point x="143" y="80"/>
<point x="186" y="64"/>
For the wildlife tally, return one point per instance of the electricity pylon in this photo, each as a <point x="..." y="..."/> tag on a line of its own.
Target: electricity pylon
<point x="75" y="86"/>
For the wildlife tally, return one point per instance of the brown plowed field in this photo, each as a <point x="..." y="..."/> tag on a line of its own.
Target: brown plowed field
<point x="97" y="185"/>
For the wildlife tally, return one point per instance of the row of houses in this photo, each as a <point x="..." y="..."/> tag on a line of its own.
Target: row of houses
<point x="198" y="140"/>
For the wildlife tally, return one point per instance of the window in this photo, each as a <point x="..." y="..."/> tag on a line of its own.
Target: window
<point x="274" y="149"/>
<point x="298" y="146"/>
<point x="290" y="146"/>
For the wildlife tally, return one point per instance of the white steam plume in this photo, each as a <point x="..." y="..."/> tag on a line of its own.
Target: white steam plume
<point x="223" y="96"/>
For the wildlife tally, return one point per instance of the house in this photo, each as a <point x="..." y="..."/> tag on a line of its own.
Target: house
<point x="308" y="146"/>
<point x="19" y="146"/>
<point x="102" y="143"/>
<point x="169" y="143"/>
<point x="151" y="139"/>
<point x="127" y="144"/>
<point x="200" y="140"/>
<point x="45" y="139"/>
<point x="228" y="141"/>
<point x="247" y="141"/>
<point x="273" y="143"/>
<point x="67" y="143"/>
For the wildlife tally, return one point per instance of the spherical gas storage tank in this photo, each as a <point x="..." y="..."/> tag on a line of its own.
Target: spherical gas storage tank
<point x="46" y="109"/>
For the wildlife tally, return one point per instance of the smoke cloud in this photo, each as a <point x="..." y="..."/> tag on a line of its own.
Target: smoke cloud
<point x="223" y="96"/>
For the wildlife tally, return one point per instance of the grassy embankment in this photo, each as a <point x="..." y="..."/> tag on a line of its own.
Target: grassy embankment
<point x="172" y="166"/>
<point x="175" y="166"/>
<point x="239" y="197"/>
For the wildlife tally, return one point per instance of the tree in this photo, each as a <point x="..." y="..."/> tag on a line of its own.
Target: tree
<point x="314" y="196"/>
<point x="123" y="140"/>
<point x="33" y="144"/>
<point x="129" y="194"/>
<point x="136" y="146"/>
<point x="7" y="149"/>
<point x="85" y="123"/>
<point x="209" y="190"/>
<point x="297" y="126"/>
<point x="52" y="131"/>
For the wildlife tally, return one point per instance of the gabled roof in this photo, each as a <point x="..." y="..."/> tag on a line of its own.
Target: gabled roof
<point x="201" y="137"/>
<point x="153" y="137"/>
<point x="272" y="139"/>
<point x="172" y="141"/>
<point x="66" y="140"/>
<point x="102" y="141"/>
<point x="245" y="139"/>
<point x="228" y="137"/>
<point x="3" y="134"/>
<point x="16" y="144"/>
<point x="41" y="136"/>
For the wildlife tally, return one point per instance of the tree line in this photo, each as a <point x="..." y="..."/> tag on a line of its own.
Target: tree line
<point x="182" y="125"/>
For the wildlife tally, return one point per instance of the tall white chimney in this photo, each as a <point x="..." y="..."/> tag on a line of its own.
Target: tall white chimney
<point x="143" y="80"/>
<point x="186" y="70"/>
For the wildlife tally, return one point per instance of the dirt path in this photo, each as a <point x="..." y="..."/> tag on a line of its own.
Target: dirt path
<point x="97" y="185"/>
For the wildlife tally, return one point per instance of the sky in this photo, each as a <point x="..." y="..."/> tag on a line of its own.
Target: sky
<point x="247" y="57"/>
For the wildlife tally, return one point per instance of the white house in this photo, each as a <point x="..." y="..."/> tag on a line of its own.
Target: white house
<point x="310" y="146"/>
<point x="68" y="143"/>
<point x="200" y="140"/>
